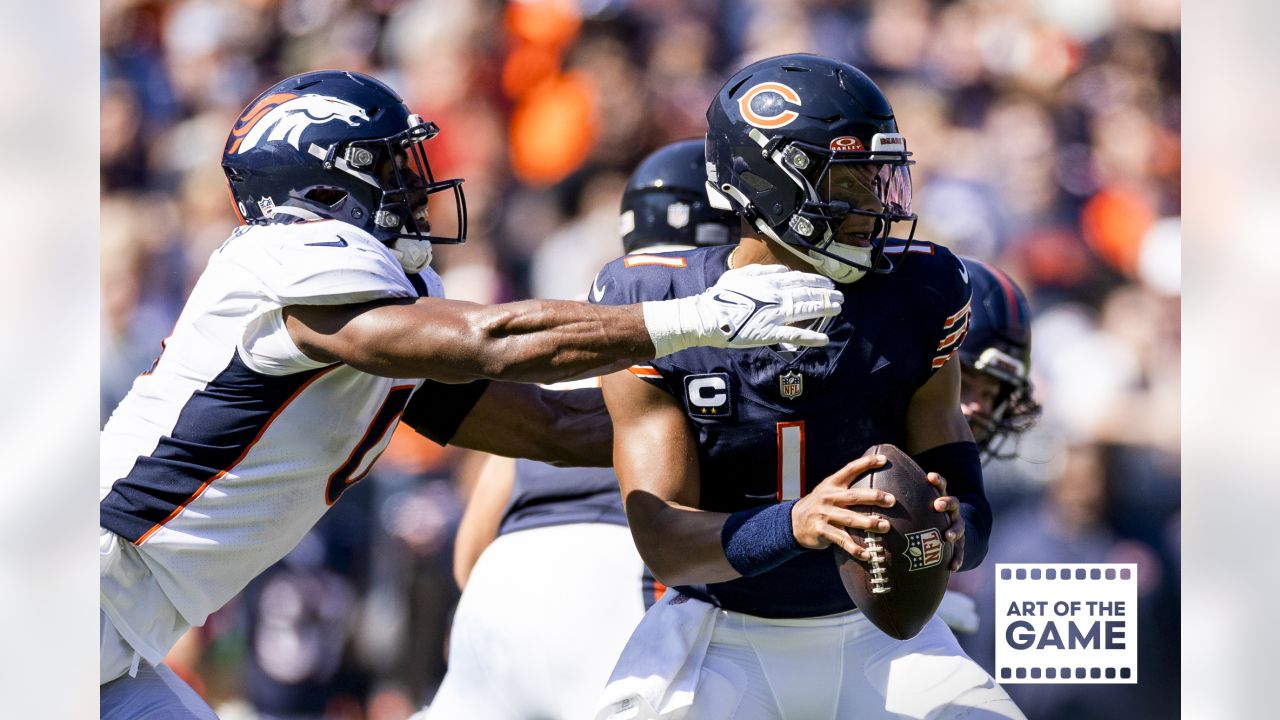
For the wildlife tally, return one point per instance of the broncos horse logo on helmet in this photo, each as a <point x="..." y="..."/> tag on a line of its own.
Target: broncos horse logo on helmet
<point x="337" y="145"/>
<point x="287" y="120"/>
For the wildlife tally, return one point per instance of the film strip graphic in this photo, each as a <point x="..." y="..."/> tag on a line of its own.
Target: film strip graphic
<point x="1066" y="623"/>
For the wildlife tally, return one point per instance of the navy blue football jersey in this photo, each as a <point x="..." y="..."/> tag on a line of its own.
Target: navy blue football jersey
<point x="771" y="422"/>
<point x="544" y="495"/>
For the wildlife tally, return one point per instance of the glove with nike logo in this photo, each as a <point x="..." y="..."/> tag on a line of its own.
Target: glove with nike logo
<point x="748" y="307"/>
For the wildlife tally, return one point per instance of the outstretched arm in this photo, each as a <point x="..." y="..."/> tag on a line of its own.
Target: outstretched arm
<point x="454" y="341"/>
<point x="550" y="341"/>
<point x="561" y="427"/>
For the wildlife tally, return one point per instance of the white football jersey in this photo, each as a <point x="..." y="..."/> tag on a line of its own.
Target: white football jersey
<point x="233" y="445"/>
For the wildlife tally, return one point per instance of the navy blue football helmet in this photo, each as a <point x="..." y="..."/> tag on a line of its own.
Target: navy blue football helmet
<point x="336" y="145"/>
<point x="665" y="202"/>
<point x="999" y="345"/>
<point x="800" y="143"/>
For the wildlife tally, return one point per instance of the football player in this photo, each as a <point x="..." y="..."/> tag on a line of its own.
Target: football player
<point x="549" y="604"/>
<point x="995" y="362"/>
<point x="315" y="328"/>
<point x="735" y="469"/>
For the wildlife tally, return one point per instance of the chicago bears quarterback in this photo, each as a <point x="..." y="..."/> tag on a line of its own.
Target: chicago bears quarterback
<point x="522" y="647"/>
<point x="315" y="328"/>
<point x="735" y="469"/>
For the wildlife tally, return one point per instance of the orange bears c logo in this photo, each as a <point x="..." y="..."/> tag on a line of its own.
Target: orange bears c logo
<point x="766" y="105"/>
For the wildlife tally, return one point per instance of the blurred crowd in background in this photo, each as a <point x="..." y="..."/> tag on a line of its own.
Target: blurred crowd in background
<point x="1047" y="140"/>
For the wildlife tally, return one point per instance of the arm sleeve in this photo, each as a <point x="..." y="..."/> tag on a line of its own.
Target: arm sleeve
<point x="437" y="409"/>
<point x="961" y="466"/>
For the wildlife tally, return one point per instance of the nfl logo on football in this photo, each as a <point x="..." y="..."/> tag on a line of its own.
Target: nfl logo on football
<point x="790" y="385"/>
<point x="924" y="549"/>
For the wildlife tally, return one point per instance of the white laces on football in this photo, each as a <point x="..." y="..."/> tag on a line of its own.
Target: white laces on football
<point x="412" y="254"/>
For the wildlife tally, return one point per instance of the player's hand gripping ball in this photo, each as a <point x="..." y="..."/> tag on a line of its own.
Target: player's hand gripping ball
<point x="902" y="590"/>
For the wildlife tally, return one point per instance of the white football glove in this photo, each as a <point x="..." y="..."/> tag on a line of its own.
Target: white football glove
<point x="747" y="307"/>
<point x="959" y="612"/>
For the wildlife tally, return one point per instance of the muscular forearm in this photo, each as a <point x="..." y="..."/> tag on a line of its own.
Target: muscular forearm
<point x="680" y="545"/>
<point x="454" y="342"/>
<point x="551" y="341"/>
<point x="563" y="427"/>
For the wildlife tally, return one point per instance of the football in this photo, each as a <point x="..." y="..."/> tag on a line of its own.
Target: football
<point x="901" y="591"/>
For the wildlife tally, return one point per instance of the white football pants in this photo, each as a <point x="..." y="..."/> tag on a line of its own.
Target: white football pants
<point x="540" y="625"/>
<point x="838" y="667"/>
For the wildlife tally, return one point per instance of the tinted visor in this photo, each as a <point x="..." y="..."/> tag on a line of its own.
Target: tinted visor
<point x="870" y="187"/>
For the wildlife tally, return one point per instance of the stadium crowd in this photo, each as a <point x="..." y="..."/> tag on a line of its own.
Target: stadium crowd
<point x="1046" y="135"/>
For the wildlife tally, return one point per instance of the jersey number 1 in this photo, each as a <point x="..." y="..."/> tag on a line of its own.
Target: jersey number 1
<point x="791" y="483"/>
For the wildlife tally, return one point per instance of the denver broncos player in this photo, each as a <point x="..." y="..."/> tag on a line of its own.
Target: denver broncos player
<point x="309" y="336"/>
<point x="735" y="469"/>
<point x="549" y="604"/>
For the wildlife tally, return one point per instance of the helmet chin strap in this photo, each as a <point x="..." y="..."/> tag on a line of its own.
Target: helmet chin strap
<point x="414" y="255"/>
<point x="844" y="272"/>
<point x="832" y="268"/>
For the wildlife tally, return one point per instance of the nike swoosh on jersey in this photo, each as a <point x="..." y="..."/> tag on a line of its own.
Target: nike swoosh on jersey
<point x="340" y="242"/>
<point x="964" y="273"/>
<point x="597" y="292"/>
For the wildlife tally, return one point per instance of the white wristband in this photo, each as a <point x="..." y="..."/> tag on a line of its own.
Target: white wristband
<point x="672" y="324"/>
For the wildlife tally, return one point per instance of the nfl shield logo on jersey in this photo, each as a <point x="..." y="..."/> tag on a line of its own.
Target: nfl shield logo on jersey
<point x="791" y="384"/>
<point x="924" y="549"/>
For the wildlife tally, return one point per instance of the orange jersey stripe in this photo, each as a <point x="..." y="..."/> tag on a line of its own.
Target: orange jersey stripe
<point x="642" y="371"/>
<point x="955" y="318"/>
<point x="637" y="260"/>
<point x="200" y="490"/>
<point x="953" y="337"/>
<point x="942" y="360"/>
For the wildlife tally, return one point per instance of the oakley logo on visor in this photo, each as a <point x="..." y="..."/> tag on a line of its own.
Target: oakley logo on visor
<point x="845" y="143"/>
<point x="766" y="105"/>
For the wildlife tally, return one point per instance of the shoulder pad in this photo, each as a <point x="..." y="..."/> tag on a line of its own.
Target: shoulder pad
<point x="319" y="263"/>
<point x="637" y="278"/>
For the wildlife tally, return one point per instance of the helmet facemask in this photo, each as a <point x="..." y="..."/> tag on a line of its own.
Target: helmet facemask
<point x="1013" y="410"/>
<point x="847" y="201"/>
<point x="402" y="182"/>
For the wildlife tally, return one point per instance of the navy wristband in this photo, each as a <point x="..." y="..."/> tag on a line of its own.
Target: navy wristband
<point x="760" y="539"/>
